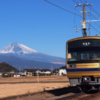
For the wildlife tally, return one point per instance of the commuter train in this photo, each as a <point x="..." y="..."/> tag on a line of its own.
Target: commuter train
<point x="83" y="62"/>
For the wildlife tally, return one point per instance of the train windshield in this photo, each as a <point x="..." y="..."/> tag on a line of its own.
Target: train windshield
<point x="84" y="51"/>
<point x="83" y="55"/>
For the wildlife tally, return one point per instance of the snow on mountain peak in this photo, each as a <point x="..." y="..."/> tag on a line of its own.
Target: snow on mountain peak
<point x="17" y="48"/>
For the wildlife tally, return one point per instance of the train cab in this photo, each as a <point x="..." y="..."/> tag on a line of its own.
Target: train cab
<point x="83" y="62"/>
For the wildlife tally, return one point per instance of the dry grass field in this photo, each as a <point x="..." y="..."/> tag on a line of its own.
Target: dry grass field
<point x="34" y="79"/>
<point x="26" y="85"/>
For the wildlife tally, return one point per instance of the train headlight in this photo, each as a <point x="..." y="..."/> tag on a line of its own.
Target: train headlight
<point x="72" y="66"/>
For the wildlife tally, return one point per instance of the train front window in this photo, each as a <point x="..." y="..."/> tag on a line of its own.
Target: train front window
<point x="83" y="55"/>
<point x="72" y="56"/>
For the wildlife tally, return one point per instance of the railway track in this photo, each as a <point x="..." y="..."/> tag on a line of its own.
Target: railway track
<point x="92" y="95"/>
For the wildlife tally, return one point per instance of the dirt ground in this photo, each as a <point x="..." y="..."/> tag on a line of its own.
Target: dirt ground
<point x="28" y="85"/>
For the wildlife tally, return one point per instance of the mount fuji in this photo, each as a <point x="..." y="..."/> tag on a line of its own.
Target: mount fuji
<point x="17" y="48"/>
<point x="21" y="51"/>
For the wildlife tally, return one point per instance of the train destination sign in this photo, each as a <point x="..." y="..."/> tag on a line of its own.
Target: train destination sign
<point x="84" y="43"/>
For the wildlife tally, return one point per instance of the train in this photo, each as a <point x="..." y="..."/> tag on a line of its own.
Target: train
<point x="83" y="62"/>
<point x="83" y="58"/>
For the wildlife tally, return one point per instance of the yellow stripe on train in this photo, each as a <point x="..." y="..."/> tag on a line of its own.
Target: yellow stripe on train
<point x="85" y="65"/>
<point x="84" y="73"/>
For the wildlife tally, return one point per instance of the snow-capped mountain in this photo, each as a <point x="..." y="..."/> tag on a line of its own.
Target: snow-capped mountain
<point x="17" y="48"/>
<point x="21" y="51"/>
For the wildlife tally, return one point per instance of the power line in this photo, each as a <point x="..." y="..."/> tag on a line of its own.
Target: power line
<point x="93" y="9"/>
<point x="94" y="17"/>
<point x="74" y="18"/>
<point x="95" y="22"/>
<point x="90" y="8"/>
<point x="72" y="8"/>
<point x="75" y="2"/>
<point x="61" y="7"/>
<point x="91" y="13"/>
<point x="69" y="12"/>
<point x="82" y="1"/>
<point x="94" y="28"/>
<point x="66" y="4"/>
<point x="96" y="12"/>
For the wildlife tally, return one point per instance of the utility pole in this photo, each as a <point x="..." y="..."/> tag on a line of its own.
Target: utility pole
<point x="52" y="68"/>
<point x="37" y="76"/>
<point x="37" y="72"/>
<point x="83" y="12"/>
<point x="83" y="23"/>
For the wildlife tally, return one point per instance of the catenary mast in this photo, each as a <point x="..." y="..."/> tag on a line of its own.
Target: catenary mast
<point x="83" y="23"/>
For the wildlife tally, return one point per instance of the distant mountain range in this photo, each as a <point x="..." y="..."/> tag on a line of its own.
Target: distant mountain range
<point x="20" y="63"/>
<point x="21" y="56"/>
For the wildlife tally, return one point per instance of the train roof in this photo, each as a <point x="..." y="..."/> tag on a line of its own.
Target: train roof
<point x="82" y="38"/>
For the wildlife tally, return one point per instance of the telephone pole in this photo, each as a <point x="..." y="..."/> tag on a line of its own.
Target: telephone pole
<point x="83" y="23"/>
<point x="84" y="30"/>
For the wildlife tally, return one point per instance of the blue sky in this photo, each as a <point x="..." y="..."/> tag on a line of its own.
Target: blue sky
<point x="42" y="26"/>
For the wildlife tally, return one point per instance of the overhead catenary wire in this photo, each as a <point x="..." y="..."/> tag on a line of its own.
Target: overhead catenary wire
<point x="92" y="16"/>
<point x="94" y="28"/>
<point x="67" y="5"/>
<point x="74" y="19"/>
<point x="72" y="8"/>
<point x="95" y="22"/>
<point x="61" y="7"/>
<point x="93" y="9"/>
<point x="76" y="2"/>
<point x="69" y="12"/>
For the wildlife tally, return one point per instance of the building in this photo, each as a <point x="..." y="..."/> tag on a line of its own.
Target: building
<point x="56" y="71"/>
<point x="31" y="72"/>
<point x="62" y="71"/>
<point x="46" y="71"/>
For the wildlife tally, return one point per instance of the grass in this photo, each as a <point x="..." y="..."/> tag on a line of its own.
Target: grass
<point x="9" y="90"/>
